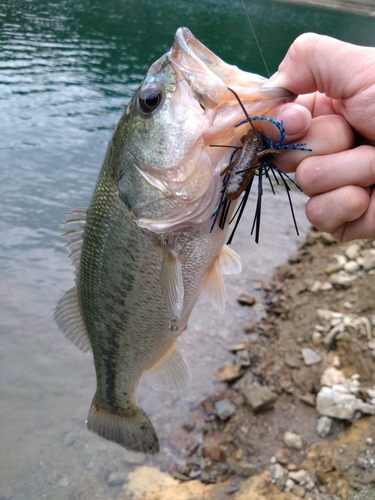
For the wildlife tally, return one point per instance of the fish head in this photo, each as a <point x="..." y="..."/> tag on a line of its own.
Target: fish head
<point x="167" y="171"/>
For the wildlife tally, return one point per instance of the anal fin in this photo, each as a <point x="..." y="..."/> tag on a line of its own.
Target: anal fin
<point x="171" y="372"/>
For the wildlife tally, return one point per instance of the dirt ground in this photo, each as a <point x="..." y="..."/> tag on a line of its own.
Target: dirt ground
<point x="232" y="446"/>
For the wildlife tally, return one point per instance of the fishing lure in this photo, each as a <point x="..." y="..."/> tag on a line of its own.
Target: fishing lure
<point x="256" y="158"/>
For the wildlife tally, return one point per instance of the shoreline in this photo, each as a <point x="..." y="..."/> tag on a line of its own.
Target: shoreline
<point x="362" y="7"/>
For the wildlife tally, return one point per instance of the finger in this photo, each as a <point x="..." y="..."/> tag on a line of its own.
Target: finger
<point x="328" y="211"/>
<point x="325" y="173"/>
<point x="320" y="63"/>
<point x="327" y="135"/>
<point x="296" y="120"/>
<point x="362" y="228"/>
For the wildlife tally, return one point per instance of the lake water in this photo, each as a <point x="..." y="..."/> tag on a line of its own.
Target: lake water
<point x="68" y="69"/>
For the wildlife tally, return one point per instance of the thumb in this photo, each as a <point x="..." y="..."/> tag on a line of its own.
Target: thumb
<point x="324" y="64"/>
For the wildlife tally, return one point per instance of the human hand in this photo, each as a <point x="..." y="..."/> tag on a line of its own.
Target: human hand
<point x="336" y="83"/>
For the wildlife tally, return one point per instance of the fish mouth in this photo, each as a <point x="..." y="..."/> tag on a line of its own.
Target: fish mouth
<point x="209" y="78"/>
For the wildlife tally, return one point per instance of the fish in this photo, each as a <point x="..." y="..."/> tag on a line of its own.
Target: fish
<point x="143" y="250"/>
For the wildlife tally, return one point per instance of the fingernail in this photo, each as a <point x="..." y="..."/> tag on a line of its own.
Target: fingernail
<point x="276" y="80"/>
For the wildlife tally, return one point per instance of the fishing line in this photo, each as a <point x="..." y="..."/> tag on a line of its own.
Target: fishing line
<point x="255" y="37"/>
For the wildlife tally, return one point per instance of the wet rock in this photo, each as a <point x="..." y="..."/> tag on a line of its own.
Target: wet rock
<point x="243" y="358"/>
<point x="246" y="300"/>
<point x="292" y="440"/>
<point x="283" y="456"/>
<point x="188" y="425"/>
<point x="310" y="357"/>
<point x="324" y="426"/>
<point x="242" y="468"/>
<point x="228" y="373"/>
<point x="116" y="478"/>
<point x="259" y="398"/>
<point x="342" y="279"/>
<point x="133" y="457"/>
<point x="208" y="405"/>
<point x="224" y="409"/>
<point x="332" y="376"/>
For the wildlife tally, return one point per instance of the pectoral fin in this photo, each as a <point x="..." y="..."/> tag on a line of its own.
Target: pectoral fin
<point x="170" y="372"/>
<point x="172" y="285"/>
<point x="227" y="262"/>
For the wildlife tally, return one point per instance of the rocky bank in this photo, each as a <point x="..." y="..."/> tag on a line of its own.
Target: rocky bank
<point x="293" y="414"/>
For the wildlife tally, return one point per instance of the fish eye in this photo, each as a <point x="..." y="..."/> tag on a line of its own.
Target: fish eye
<point x="150" y="98"/>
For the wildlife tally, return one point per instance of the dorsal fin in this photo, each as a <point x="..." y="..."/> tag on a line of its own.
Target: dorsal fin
<point x="68" y="314"/>
<point x="75" y="227"/>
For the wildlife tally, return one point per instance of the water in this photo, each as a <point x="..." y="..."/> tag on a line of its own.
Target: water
<point x="67" y="70"/>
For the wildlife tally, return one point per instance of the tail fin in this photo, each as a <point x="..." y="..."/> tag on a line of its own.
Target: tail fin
<point x="134" y="432"/>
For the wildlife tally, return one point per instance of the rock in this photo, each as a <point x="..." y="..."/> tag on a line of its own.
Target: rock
<point x="299" y="476"/>
<point x="332" y="376"/>
<point x="369" y="441"/>
<point x="306" y="379"/>
<point x="332" y="403"/>
<point x="316" y="286"/>
<point x="243" y="358"/>
<point x="342" y="279"/>
<point x="283" y="456"/>
<point x="325" y="286"/>
<point x="352" y="267"/>
<point x="277" y="472"/>
<point x="134" y="457"/>
<point x="309" y="399"/>
<point x="299" y="491"/>
<point x="212" y="448"/>
<point x="116" y="478"/>
<point x="224" y="409"/>
<point x="336" y="266"/>
<point x="352" y="251"/>
<point x="293" y="360"/>
<point x="310" y="357"/>
<point x="292" y="440"/>
<point x="208" y="405"/>
<point x="367" y="261"/>
<point x="324" y="426"/>
<point x="188" y="425"/>
<point x="239" y="347"/>
<point x="228" y="373"/>
<point x="289" y="483"/>
<point x="259" y="398"/>
<point x="242" y="468"/>
<point x="246" y="300"/>
<point x="316" y="338"/>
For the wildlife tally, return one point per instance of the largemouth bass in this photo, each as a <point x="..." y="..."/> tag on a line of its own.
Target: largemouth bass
<point x="143" y="250"/>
